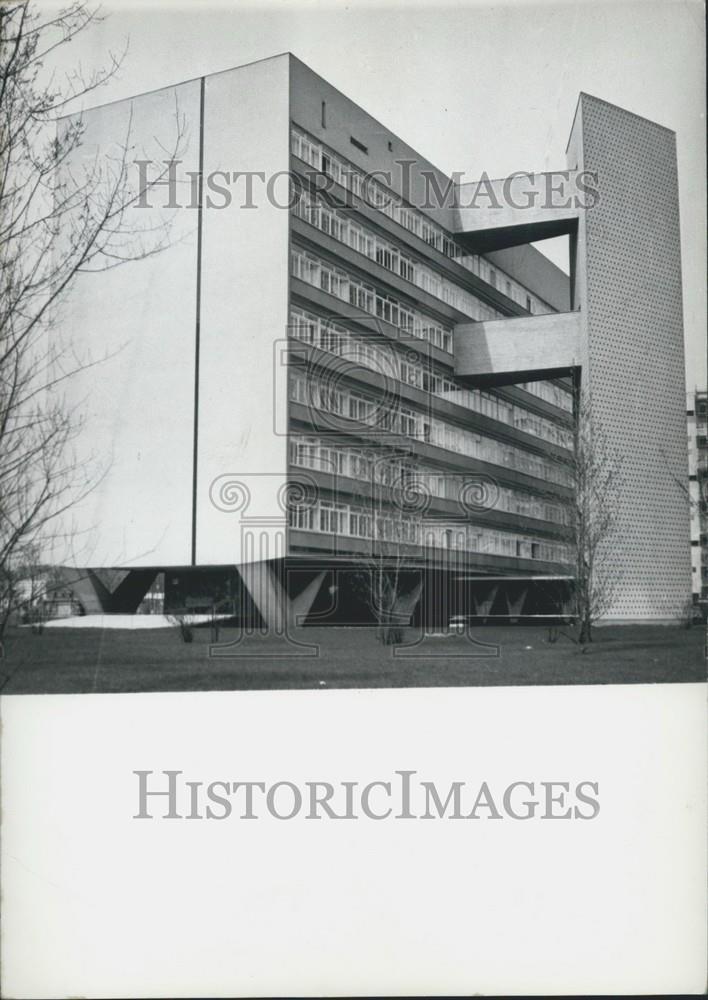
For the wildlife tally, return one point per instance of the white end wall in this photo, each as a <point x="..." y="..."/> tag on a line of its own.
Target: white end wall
<point x="244" y="313"/>
<point x="136" y="323"/>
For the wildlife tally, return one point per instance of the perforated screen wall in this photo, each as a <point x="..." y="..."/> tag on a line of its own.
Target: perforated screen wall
<point x="633" y="311"/>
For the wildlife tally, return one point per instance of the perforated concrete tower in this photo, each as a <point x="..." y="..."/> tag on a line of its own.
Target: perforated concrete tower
<point x="623" y="339"/>
<point x="628" y="289"/>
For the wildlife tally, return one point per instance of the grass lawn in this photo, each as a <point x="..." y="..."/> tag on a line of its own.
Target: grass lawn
<point x="68" y="660"/>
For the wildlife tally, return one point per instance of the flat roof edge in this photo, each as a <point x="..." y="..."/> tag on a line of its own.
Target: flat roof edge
<point x="173" y="86"/>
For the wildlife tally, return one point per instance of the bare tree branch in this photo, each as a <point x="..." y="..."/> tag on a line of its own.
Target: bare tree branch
<point x="61" y="215"/>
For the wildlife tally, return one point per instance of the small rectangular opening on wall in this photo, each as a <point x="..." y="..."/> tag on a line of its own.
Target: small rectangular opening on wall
<point x="324" y="114"/>
<point x="358" y="145"/>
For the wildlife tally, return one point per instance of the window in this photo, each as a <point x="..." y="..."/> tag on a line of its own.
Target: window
<point x="406" y="269"/>
<point x="384" y="257"/>
<point x="359" y="524"/>
<point x="528" y="303"/>
<point x="302" y="517"/>
<point x="360" y="408"/>
<point x="407" y="422"/>
<point x="332" y="517"/>
<point x="359" y="467"/>
<point x="324" y="114"/>
<point x="358" y="145"/>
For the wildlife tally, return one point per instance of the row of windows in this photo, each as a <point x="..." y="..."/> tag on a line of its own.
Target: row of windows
<point x="331" y="279"/>
<point x="551" y="393"/>
<point x="391" y="362"/>
<point x="387" y="526"/>
<point x="310" y="452"/>
<point x="336" y="282"/>
<point x="365" y="242"/>
<point x="379" y="197"/>
<point x="405" y="420"/>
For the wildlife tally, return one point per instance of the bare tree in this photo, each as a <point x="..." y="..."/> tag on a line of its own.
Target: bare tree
<point x="24" y="589"/>
<point x="390" y="561"/>
<point x="593" y="518"/>
<point x="61" y="215"/>
<point x="391" y="506"/>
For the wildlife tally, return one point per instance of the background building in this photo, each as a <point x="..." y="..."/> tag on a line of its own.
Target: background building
<point x="697" y="414"/>
<point x="344" y="364"/>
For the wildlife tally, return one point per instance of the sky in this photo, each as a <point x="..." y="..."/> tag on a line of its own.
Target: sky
<point x="475" y="87"/>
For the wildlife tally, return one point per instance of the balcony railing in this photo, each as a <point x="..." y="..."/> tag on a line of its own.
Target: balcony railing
<point x="391" y="529"/>
<point x="344" y="286"/>
<point x="377" y="196"/>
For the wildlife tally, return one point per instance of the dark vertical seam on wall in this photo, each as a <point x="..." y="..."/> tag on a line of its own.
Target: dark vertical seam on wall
<point x="197" y="331"/>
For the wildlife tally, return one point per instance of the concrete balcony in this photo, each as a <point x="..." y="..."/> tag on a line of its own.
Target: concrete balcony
<point x="520" y="349"/>
<point x="496" y="214"/>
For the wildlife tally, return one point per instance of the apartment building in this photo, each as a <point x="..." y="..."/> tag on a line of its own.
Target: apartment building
<point x="346" y="373"/>
<point x="697" y="416"/>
